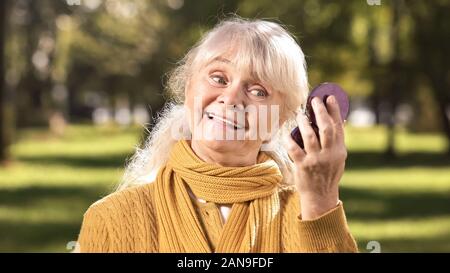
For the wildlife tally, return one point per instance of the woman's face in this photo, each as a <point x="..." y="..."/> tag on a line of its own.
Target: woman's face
<point x="229" y="109"/>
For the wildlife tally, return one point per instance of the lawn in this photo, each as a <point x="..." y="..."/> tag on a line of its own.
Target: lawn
<point x="404" y="204"/>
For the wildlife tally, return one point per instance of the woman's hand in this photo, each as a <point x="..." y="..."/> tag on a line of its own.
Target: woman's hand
<point x="320" y="165"/>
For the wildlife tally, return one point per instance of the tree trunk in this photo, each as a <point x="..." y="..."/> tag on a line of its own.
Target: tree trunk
<point x="4" y="140"/>
<point x="394" y="79"/>
<point x="443" y="102"/>
<point x="445" y="122"/>
<point x="30" y="107"/>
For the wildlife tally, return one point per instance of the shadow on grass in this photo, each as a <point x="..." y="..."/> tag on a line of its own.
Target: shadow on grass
<point x="372" y="160"/>
<point x="19" y="197"/>
<point x="27" y="236"/>
<point x="97" y="161"/>
<point x="38" y="233"/>
<point x="376" y="205"/>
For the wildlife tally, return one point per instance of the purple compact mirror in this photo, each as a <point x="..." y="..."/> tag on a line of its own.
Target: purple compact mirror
<point x="322" y="91"/>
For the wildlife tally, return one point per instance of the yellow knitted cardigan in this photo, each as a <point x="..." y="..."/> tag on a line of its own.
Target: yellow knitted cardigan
<point x="161" y="217"/>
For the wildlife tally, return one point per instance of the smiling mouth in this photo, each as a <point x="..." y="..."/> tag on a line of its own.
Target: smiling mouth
<point x="226" y="121"/>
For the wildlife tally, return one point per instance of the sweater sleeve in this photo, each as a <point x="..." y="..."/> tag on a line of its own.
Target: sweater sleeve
<point x="328" y="233"/>
<point x="93" y="235"/>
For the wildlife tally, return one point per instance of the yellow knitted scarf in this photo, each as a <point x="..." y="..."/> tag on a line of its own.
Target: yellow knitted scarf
<point x="254" y="222"/>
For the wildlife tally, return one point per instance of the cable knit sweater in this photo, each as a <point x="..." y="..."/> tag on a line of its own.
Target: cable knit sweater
<point x="126" y="221"/>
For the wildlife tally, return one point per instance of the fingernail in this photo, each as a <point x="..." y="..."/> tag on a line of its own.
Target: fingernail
<point x="332" y="99"/>
<point x="315" y="101"/>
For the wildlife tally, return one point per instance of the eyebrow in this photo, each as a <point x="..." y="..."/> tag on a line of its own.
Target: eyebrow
<point x="219" y="59"/>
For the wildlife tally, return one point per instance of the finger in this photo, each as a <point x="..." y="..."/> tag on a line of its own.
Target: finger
<point x="324" y="122"/>
<point x="334" y="110"/>
<point x="335" y="113"/>
<point x="310" y="141"/>
<point x="296" y="153"/>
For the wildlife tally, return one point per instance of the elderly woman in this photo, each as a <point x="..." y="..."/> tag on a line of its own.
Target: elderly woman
<point x="220" y="172"/>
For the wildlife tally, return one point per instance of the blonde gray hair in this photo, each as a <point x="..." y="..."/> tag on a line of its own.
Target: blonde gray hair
<point x="263" y="48"/>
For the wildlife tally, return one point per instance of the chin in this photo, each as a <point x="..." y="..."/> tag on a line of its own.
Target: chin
<point x="230" y="145"/>
<point x="223" y="145"/>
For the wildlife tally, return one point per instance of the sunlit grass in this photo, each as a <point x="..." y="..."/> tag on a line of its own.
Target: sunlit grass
<point x="84" y="141"/>
<point x="402" y="229"/>
<point x="404" y="203"/>
<point x="375" y="139"/>
<point x="415" y="179"/>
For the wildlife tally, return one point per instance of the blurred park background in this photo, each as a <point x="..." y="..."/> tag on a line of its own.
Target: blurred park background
<point x="81" y="81"/>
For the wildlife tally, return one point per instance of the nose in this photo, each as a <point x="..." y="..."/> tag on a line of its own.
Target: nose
<point x="233" y="97"/>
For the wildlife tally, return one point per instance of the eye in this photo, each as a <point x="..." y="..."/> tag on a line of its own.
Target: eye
<point x="258" y="93"/>
<point x="219" y="79"/>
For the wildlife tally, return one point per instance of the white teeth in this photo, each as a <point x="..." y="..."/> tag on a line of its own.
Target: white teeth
<point x="235" y="126"/>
